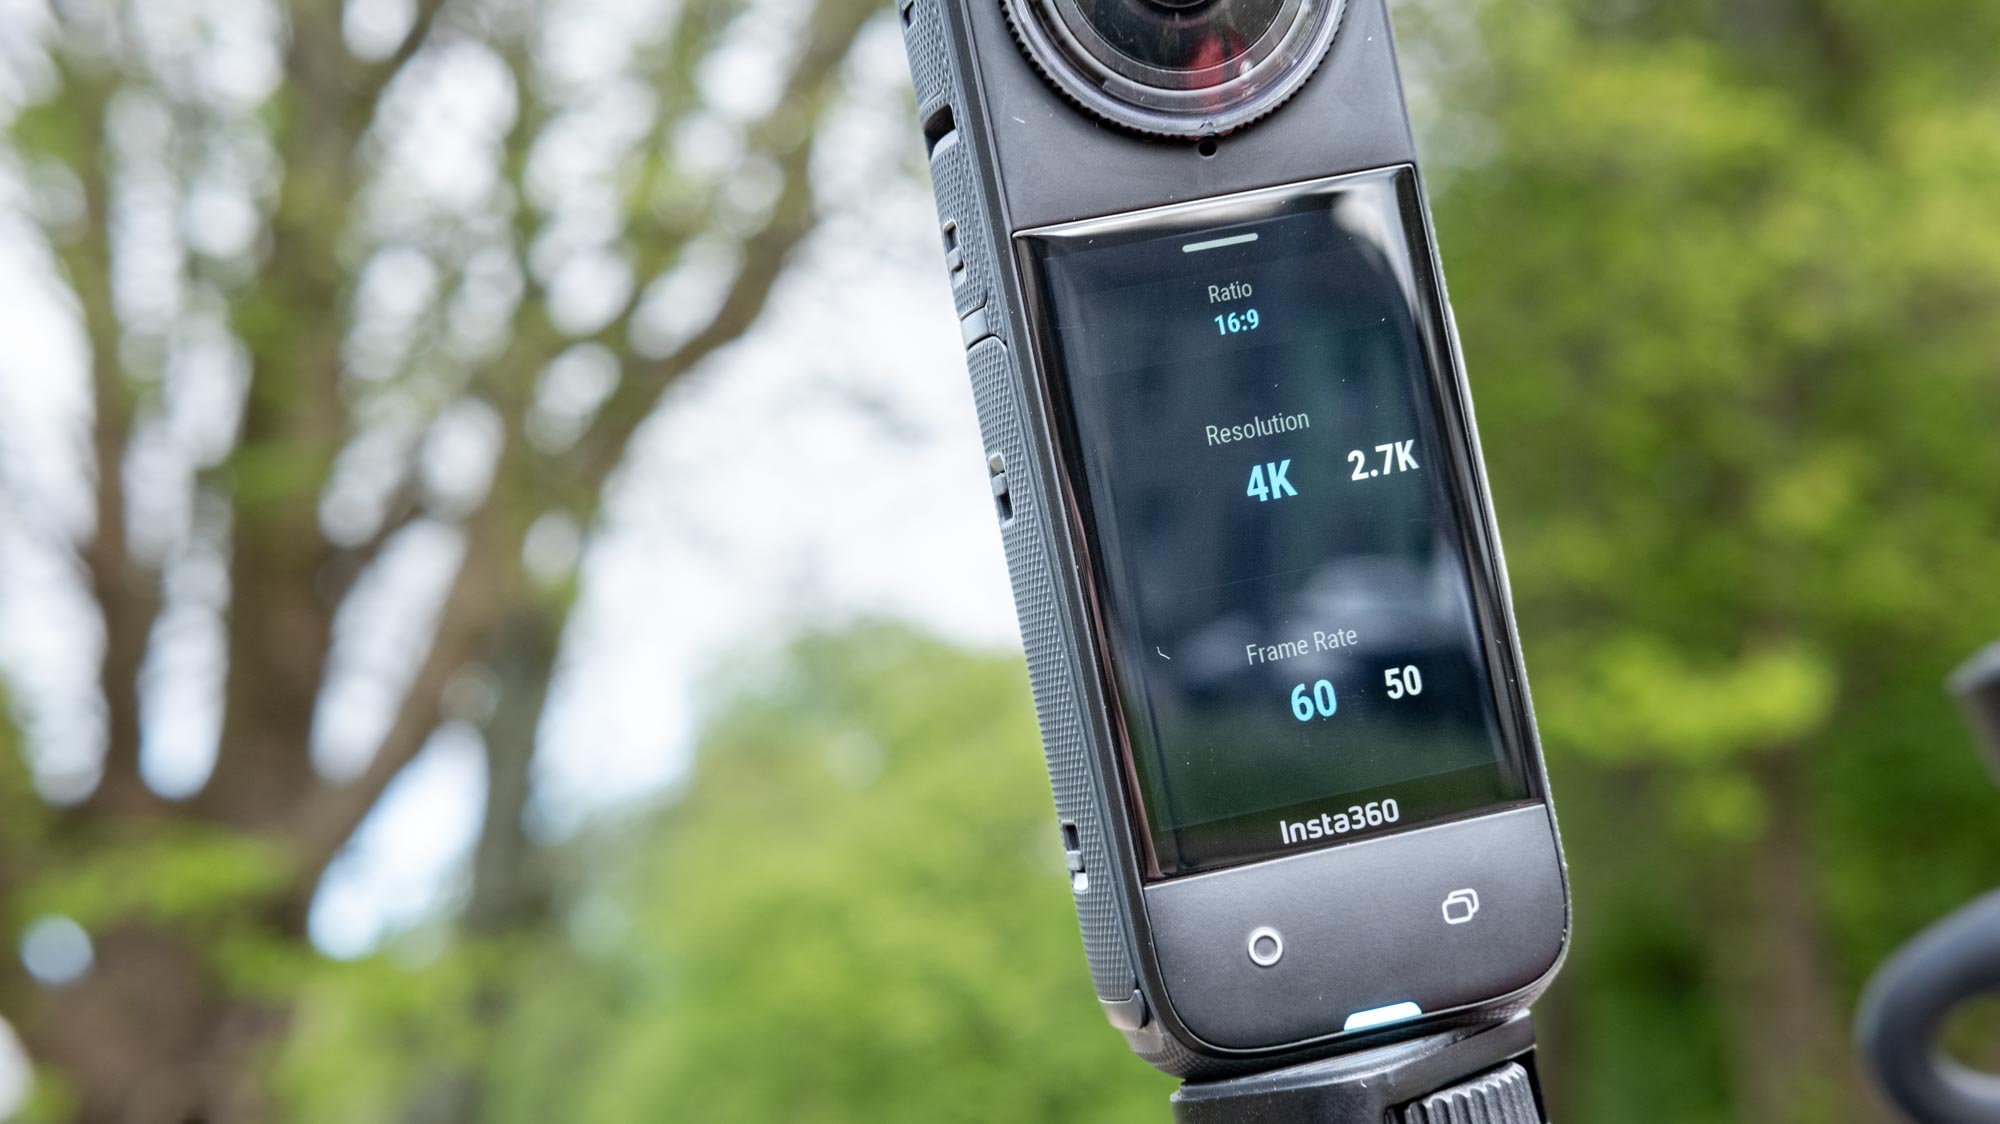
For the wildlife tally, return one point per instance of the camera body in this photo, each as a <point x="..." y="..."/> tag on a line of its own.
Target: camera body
<point x="1326" y="824"/>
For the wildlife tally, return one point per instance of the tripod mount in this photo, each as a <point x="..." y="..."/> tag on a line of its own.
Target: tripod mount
<point x="1470" y="1075"/>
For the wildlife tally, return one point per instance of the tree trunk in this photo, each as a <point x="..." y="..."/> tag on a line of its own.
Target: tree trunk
<point x="150" y="1036"/>
<point x="509" y="895"/>
<point x="1789" y="1029"/>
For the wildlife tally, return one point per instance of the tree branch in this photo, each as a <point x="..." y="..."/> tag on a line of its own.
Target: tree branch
<point x="787" y="133"/>
<point x="405" y="507"/>
<point x="379" y="77"/>
<point x="421" y="27"/>
<point x="506" y="890"/>
<point x="126" y="593"/>
<point x="291" y="323"/>
<point x="474" y="608"/>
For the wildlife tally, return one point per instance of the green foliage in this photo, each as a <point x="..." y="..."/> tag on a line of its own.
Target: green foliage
<point x="23" y="816"/>
<point x="856" y="911"/>
<point x="48" y="1102"/>
<point x="209" y="886"/>
<point x="859" y="912"/>
<point x="182" y="878"/>
<point x="374" y="1034"/>
<point x="1726" y="276"/>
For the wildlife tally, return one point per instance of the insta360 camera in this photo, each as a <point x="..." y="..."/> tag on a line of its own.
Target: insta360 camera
<point x="1298" y="788"/>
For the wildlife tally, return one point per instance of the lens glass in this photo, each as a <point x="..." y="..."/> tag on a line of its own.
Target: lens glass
<point x="1181" y="68"/>
<point x="1182" y="35"/>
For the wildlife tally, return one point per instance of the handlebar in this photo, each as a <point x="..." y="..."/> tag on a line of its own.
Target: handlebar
<point x="1905" y="1007"/>
<point x="1906" y="1004"/>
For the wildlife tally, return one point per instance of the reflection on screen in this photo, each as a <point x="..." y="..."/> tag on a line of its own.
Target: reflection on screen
<point x="1278" y="529"/>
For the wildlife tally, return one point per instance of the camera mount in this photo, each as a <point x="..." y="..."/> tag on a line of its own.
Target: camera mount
<point x="1484" y="1073"/>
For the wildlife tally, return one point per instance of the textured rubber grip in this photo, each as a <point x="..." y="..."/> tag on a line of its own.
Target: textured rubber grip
<point x="974" y="247"/>
<point x="930" y="55"/>
<point x="1051" y="668"/>
<point x="1504" y="1096"/>
<point x="963" y="225"/>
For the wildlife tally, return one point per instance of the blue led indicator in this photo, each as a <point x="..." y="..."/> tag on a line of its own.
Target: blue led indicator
<point x="1382" y="1016"/>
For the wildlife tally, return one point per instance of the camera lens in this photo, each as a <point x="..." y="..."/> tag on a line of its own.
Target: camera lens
<point x="1176" y="67"/>
<point x="1191" y="43"/>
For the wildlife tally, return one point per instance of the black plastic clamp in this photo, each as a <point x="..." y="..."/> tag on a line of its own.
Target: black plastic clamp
<point x="1483" y="1074"/>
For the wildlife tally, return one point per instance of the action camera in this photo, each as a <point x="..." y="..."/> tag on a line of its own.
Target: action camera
<point x="1232" y="454"/>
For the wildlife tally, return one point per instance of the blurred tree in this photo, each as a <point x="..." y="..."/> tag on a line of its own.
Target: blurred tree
<point x="887" y="940"/>
<point x="1727" y="274"/>
<point x="357" y="281"/>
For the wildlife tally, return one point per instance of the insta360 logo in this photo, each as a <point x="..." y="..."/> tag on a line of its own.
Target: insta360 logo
<point x="1461" y="906"/>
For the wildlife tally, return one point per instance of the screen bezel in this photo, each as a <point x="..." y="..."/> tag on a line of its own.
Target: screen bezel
<point x="1448" y="399"/>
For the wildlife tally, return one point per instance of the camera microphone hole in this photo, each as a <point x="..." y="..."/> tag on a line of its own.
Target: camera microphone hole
<point x="1206" y="148"/>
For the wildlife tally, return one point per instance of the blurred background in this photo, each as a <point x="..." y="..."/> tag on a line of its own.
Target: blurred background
<point x="500" y="618"/>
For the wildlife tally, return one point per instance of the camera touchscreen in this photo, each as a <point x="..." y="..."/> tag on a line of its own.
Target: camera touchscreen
<point x="1260" y="425"/>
